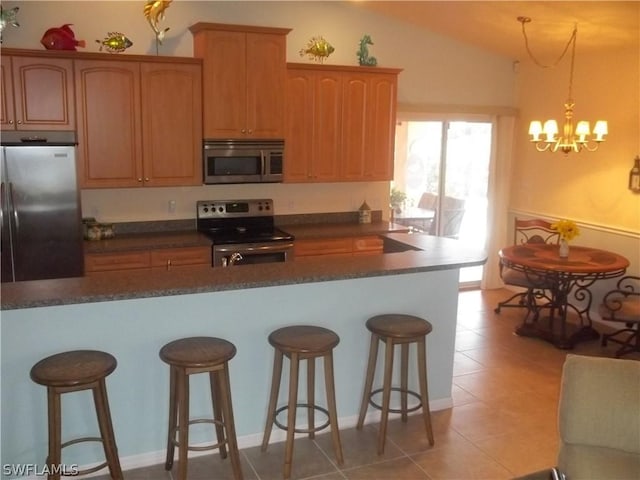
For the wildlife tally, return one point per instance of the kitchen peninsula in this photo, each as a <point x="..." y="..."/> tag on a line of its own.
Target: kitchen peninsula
<point x="131" y="315"/>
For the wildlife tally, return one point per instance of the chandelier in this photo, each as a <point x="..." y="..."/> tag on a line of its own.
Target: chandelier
<point x="572" y="138"/>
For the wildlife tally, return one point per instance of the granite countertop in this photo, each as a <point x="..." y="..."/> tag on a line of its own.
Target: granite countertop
<point x="438" y="254"/>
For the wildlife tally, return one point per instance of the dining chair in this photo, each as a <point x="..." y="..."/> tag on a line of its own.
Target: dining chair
<point x="622" y="305"/>
<point x="535" y="288"/>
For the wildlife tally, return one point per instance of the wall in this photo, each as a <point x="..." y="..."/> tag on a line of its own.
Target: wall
<point x="589" y="187"/>
<point x="436" y="70"/>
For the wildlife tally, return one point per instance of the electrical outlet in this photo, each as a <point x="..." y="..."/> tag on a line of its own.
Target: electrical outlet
<point x="172" y="206"/>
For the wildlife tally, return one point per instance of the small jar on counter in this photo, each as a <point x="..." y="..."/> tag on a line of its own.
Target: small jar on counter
<point x="364" y="213"/>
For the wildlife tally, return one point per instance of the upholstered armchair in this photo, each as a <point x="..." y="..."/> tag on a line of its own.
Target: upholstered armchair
<point x="598" y="420"/>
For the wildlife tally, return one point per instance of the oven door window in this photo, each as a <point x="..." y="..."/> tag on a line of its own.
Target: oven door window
<point x="247" y="254"/>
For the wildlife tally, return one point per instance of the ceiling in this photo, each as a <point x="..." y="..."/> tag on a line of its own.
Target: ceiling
<point x="493" y="25"/>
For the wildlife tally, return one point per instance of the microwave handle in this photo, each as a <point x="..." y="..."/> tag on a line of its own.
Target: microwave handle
<point x="263" y="162"/>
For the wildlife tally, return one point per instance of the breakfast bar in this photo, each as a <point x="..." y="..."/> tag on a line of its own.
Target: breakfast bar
<point x="132" y="315"/>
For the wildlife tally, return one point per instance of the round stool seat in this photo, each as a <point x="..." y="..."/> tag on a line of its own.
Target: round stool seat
<point x="196" y="352"/>
<point x="399" y="326"/>
<point x="69" y="369"/>
<point x="303" y="339"/>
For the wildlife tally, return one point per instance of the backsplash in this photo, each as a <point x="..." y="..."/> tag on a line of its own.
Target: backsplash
<point x="159" y="226"/>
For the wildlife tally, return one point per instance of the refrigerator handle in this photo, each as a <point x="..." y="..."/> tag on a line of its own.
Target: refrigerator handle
<point x="1" y="213"/>
<point x="12" y="202"/>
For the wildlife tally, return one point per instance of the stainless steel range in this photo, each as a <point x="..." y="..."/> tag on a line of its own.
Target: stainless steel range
<point x="243" y="232"/>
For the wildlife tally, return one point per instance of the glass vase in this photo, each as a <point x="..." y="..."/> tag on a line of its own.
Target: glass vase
<point x="564" y="249"/>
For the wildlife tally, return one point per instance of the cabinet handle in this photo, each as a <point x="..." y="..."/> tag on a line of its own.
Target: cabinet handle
<point x="168" y="265"/>
<point x="250" y="131"/>
<point x="19" y="122"/>
<point x="10" y="122"/>
<point x="243" y="131"/>
<point x="146" y="179"/>
<point x="139" y="179"/>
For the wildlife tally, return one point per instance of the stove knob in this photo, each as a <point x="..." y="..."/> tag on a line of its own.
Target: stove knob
<point x="221" y="209"/>
<point x="205" y="209"/>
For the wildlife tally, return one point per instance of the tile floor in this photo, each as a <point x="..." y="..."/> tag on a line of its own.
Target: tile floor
<point x="502" y="424"/>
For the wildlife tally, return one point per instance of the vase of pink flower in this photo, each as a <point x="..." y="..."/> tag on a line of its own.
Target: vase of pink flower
<point x="568" y="230"/>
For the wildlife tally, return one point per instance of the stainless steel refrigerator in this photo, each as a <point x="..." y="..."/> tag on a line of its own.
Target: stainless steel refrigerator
<point x="41" y="215"/>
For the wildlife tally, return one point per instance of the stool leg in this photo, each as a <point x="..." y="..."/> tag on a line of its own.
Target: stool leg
<point x="368" y="384"/>
<point x="229" y="423"/>
<point x="183" y="422"/>
<point x="216" y="387"/>
<point x="311" y="398"/>
<point x="386" y="394"/>
<point x="173" y="417"/>
<point x="54" y="457"/>
<point x="331" y="403"/>
<point x="291" y="413"/>
<point x="273" y="398"/>
<point x="424" y="391"/>
<point x="404" y="379"/>
<point x="106" y="429"/>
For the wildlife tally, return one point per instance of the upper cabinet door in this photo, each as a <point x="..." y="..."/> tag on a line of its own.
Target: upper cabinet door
<point x="369" y="115"/>
<point x="171" y="124"/>
<point x="266" y="78"/>
<point x="225" y="87"/>
<point x="109" y="130"/>
<point x="7" y="111"/>
<point x="381" y="121"/>
<point x="313" y="125"/>
<point x="37" y="94"/>
<point x="244" y="76"/>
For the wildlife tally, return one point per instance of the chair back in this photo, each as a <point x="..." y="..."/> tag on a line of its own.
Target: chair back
<point x="534" y="231"/>
<point x="450" y="218"/>
<point x="428" y="201"/>
<point x="622" y="304"/>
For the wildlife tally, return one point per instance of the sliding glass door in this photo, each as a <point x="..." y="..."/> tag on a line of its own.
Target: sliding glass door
<point x="443" y="168"/>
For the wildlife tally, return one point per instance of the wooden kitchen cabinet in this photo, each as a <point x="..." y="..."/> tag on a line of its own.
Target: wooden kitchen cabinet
<point x="369" y="116"/>
<point x="139" y="123"/>
<point x="313" y="125"/>
<point x="109" y="123"/>
<point x="110" y="262"/>
<point x="340" y="123"/>
<point x="244" y="75"/>
<point x="168" y="258"/>
<point x="322" y="246"/>
<point x="37" y="93"/>
<point x="337" y="247"/>
<point x="154" y="259"/>
<point x="171" y="124"/>
<point x="368" y="245"/>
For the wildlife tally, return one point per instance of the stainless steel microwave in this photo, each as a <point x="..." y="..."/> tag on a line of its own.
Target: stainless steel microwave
<point x="243" y="161"/>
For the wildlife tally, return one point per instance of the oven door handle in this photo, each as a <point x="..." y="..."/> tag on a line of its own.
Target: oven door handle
<point x="249" y="249"/>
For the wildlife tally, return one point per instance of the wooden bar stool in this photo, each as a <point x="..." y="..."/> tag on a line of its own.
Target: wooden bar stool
<point x="188" y="356"/>
<point x="72" y="372"/>
<point x="302" y="342"/>
<point x="397" y="329"/>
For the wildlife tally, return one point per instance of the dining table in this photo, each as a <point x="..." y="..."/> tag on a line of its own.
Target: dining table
<point x="570" y="279"/>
